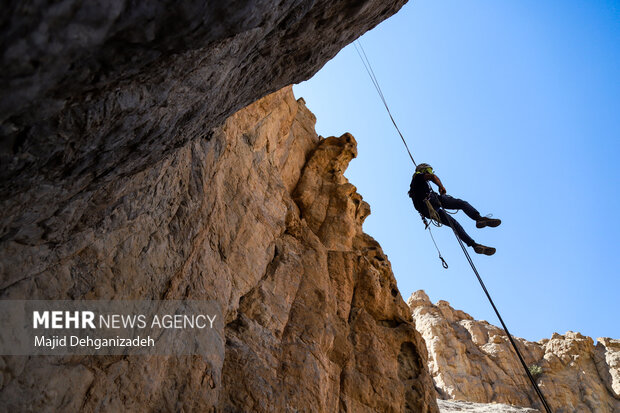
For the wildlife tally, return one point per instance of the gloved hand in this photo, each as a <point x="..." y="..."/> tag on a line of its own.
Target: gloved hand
<point x="442" y="190"/>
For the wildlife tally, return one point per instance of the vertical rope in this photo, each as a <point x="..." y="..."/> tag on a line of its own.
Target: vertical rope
<point x="443" y="262"/>
<point x="501" y="320"/>
<point x="375" y="82"/>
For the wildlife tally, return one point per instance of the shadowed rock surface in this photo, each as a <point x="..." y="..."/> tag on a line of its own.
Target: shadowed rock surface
<point x="96" y="91"/>
<point x="474" y="361"/>
<point x="259" y="217"/>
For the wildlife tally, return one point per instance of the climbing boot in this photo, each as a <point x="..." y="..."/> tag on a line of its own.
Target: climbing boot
<point x="481" y="249"/>
<point x="487" y="222"/>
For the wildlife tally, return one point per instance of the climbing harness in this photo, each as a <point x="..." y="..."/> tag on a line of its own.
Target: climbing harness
<point x="435" y="217"/>
<point x="431" y="211"/>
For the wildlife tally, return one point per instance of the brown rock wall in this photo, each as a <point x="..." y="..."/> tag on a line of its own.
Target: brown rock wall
<point x="258" y="216"/>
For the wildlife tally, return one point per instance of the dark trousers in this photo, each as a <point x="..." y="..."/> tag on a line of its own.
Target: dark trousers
<point x="446" y="201"/>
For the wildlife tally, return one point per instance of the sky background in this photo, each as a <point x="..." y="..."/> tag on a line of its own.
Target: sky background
<point x="516" y="105"/>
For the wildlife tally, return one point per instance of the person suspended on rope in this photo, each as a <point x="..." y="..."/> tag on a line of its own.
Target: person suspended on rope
<point x="432" y="206"/>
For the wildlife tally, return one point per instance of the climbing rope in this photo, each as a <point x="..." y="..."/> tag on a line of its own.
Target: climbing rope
<point x="371" y="73"/>
<point x="501" y="320"/>
<point x="443" y="262"/>
<point x="375" y="82"/>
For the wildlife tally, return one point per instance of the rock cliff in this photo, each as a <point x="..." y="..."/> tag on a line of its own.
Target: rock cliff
<point x="474" y="361"/>
<point x="130" y="170"/>
<point x="258" y="216"/>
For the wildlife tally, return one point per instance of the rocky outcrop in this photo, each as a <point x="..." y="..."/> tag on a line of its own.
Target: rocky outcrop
<point x="474" y="361"/>
<point x="258" y="216"/>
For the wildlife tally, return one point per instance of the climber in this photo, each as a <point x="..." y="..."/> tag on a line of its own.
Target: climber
<point x="430" y="205"/>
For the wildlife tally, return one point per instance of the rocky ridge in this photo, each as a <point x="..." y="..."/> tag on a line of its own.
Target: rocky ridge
<point x="473" y="360"/>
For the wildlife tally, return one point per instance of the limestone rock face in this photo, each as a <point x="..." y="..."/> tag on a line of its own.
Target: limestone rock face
<point x="474" y="361"/>
<point x="257" y="215"/>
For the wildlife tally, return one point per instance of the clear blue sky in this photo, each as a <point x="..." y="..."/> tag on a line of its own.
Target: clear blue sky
<point x="516" y="105"/>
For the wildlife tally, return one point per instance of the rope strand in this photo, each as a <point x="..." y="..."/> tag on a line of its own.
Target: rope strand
<point x="443" y="262"/>
<point x="375" y="82"/>
<point x="501" y="320"/>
